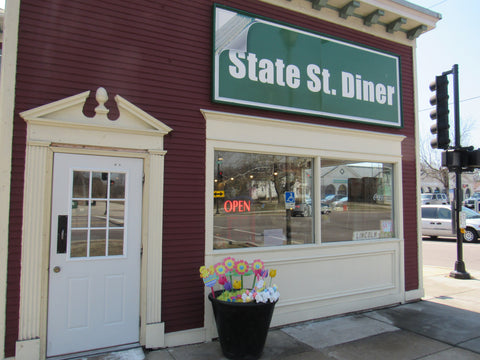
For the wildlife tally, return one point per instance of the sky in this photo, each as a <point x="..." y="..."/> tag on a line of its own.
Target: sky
<point x="453" y="41"/>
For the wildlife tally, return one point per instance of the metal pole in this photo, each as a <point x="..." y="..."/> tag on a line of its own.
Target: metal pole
<point x="459" y="272"/>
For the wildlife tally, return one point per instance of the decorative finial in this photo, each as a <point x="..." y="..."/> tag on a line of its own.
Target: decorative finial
<point x="101" y="96"/>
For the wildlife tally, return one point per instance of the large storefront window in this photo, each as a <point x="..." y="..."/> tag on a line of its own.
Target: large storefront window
<point x="262" y="200"/>
<point x="356" y="200"/>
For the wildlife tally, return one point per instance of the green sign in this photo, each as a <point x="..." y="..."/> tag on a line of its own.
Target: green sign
<point x="265" y="64"/>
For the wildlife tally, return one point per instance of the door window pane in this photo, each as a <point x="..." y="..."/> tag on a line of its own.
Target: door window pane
<point x="97" y="221"/>
<point x="80" y="213"/>
<point x="98" y="213"/>
<point x="81" y="184"/>
<point x="79" y="243"/>
<point x="99" y="185"/>
<point x="356" y="200"/>
<point x="116" y="213"/>
<point x="115" y="242"/>
<point x="262" y="200"/>
<point x="98" y="241"/>
<point x="117" y="186"/>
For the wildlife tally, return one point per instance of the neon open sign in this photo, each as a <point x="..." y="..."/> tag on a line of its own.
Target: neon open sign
<point x="233" y="206"/>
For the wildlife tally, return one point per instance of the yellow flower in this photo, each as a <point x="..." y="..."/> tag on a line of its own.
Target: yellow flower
<point x="273" y="273"/>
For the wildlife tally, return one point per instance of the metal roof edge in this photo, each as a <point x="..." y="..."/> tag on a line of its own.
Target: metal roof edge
<point x="418" y="8"/>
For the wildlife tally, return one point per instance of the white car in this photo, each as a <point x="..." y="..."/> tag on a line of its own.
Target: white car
<point x="437" y="221"/>
<point x="435" y="198"/>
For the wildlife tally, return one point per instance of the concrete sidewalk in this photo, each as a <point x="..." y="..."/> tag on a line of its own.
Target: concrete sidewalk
<point x="445" y="325"/>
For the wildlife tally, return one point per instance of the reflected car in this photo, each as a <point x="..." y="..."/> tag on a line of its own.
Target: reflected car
<point x="331" y="198"/>
<point x="437" y="221"/>
<point x="340" y="202"/>
<point x="302" y="209"/>
<point x="325" y="208"/>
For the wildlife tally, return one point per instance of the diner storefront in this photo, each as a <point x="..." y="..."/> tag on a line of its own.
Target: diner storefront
<point x="150" y="138"/>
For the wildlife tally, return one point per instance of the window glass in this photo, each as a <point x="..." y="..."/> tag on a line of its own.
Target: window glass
<point x="429" y="213"/>
<point x="97" y="226"/>
<point x="262" y="200"/>
<point x="444" y="213"/>
<point x="356" y="200"/>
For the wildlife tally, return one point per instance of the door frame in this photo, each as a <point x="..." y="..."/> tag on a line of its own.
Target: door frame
<point x="117" y="274"/>
<point x="61" y="126"/>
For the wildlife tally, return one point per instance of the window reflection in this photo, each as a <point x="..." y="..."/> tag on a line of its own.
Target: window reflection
<point x="81" y="184"/>
<point x="356" y="200"/>
<point x="98" y="214"/>
<point x="252" y="193"/>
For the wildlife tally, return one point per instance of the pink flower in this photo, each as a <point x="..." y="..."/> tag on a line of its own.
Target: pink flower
<point x="241" y="267"/>
<point x="257" y="266"/>
<point x="229" y="263"/>
<point x="220" y="269"/>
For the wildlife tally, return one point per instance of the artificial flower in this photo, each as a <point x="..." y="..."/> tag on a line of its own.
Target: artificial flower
<point x="257" y="266"/>
<point x="260" y="285"/>
<point x="224" y="273"/>
<point x="220" y="269"/>
<point x="273" y="273"/>
<point x="241" y="267"/>
<point x="229" y="263"/>
<point x="246" y="297"/>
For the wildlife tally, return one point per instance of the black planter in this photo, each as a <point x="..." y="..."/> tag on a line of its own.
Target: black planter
<point x="242" y="327"/>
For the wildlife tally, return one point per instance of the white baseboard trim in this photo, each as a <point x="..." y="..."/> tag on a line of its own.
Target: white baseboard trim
<point x="155" y="336"/>
<point x="27" y="350"/>
<point x="178" y="338"/>
<point x="414" y="295"/>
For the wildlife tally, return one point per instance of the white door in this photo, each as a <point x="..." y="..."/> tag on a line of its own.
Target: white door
<point x="94" y="279"/>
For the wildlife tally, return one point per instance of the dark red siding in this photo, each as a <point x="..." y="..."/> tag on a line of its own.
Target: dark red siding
<point x="157" y="54"/>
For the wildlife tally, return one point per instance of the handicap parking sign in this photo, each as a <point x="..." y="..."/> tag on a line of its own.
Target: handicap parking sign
<point x="289" y="200"/>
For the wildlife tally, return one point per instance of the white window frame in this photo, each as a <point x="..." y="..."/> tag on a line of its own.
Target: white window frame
<point x="233" y="132"/>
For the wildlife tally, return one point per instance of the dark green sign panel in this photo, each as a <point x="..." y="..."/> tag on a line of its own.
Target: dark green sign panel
<point x="264" y="64"/>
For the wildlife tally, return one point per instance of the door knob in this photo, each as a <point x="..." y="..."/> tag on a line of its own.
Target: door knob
<point x="56" y="269"/>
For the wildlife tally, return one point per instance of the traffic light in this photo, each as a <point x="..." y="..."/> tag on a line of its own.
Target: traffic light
<point x="219" y="176"/>
<point x="440" y="113"/>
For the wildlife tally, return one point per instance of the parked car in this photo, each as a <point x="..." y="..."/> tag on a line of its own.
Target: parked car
<point x="435" y="198"/>
<point x="437" y="221"/>
<point x="471" y="202"/>
<point x="476" y="195"/>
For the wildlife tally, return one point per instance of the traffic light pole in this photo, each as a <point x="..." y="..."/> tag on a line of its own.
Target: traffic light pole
<point x="460" y="271"/>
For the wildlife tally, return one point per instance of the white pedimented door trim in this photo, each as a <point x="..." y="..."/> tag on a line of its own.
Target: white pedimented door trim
<point x="61" y="126"/>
